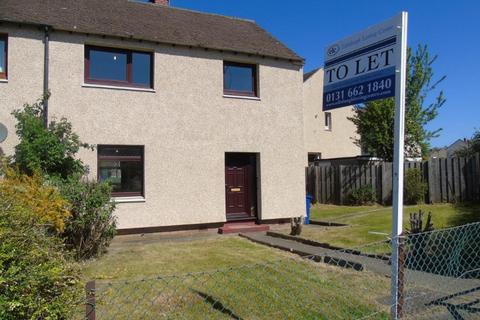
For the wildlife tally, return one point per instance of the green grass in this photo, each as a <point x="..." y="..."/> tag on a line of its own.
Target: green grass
<point x="222" y="277"/>
<point x="365" y="222"/>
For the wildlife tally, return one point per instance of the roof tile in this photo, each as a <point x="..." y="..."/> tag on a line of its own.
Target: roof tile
<point x="150" y="22"/>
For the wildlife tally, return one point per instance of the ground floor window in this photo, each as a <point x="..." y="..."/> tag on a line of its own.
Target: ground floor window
<point x="123" y="168"/>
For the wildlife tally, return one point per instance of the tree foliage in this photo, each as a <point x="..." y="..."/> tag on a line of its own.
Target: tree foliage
<point x="472" y="147"/>
<point x="375" y="119"/>
<point x="48" y="151"/>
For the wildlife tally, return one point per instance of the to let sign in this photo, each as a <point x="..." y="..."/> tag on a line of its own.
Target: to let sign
<point x="362" y="67"/>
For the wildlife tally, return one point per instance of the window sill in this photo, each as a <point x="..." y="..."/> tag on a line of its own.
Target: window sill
<point x="101" y="86"/>
<point x="3" y="80"/>
<point x="136" y="199"/>
<point x="241" y="97"/>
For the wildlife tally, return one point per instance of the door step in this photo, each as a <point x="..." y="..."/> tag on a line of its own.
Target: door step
<point x="242" y="227"/>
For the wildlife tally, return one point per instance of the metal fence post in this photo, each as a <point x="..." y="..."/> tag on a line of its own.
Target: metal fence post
<point x="401" y="276"/>
<point x="90" y="300"/>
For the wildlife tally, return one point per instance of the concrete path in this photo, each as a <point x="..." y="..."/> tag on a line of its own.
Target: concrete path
<point x="426" y="286"/>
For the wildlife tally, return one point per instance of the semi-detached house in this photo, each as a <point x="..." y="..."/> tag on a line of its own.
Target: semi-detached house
<point x="197" y="118"/>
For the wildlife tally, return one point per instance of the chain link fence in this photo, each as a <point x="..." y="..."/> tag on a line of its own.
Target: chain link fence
<point x="440" y="279"/>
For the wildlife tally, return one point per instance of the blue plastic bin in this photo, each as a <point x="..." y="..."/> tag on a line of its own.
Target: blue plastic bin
<point x="309" y="203"/>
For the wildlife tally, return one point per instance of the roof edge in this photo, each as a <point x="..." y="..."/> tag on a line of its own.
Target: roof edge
<point x="194" y="11"/>
<point x="297" y="61"/>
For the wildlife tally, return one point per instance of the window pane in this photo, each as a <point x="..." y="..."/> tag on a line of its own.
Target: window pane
<point x="239" y="78"/>
<point x="328" y="121"/>
<point x="141" y="68"/>
<point x="2" y="56"/>
<point x="124" y="176"/>
<point x="107" y="65"/>
<point x="111" y="171"/>
<point x="122" y="167"/>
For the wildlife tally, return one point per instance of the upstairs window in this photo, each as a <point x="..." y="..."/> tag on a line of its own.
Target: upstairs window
<point x="328" y="121"/>
<point x="122" y="167"/>
<point x="3" y="56"/>
<point x="118" y="67"/>
<point x="240" y="79"/>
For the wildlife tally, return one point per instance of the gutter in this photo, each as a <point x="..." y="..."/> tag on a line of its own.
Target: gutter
<point x="46" y="65"/>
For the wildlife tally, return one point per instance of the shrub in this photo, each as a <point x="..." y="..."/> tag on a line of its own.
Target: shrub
<point x="362" y="196"/>
<point x="37" y="279"/>
<point x="52" y="153"/>
<point x="42" y="201"/>
<point x="415" y="188"/>
<point x="48" y="151"/>
<point x="92" y="225"/>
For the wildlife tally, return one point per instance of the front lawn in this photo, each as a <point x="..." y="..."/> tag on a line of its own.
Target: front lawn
<point x="369" y="224"/>
<point x="228" y="277"/>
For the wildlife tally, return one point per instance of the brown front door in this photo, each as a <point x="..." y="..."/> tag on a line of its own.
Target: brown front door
<point x="240" y="188"/>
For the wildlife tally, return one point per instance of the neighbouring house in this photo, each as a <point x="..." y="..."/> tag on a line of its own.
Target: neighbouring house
<point x="327" y="134"/>
<point x="449" y="151"/>
<point x="198" y="118"/>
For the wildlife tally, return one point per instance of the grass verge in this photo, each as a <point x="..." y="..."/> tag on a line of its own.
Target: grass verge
<point x="228" y="278"/>
<point x="369" y="224"/>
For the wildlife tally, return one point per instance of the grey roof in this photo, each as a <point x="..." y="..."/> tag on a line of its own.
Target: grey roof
<point x="149" y="22"/>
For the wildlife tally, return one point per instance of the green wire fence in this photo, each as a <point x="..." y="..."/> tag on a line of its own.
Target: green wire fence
<point x="440" y="280"/>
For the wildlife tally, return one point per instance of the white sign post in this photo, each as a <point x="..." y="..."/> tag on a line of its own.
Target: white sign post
<point x="366" y="66"/>
<point x="398" y="166"/>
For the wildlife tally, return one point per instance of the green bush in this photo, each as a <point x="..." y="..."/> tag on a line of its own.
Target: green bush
<point x="92" y="225"/>
<point x="362" y="196"/>
<point x="48" y="151"/>
<point x="37" y="279"/>
<point x="30" y="192"/>
<point x="52" y="153"/>
<point x="415" y="188"/>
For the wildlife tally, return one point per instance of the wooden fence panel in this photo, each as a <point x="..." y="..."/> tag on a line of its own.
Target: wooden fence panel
<point x="318" y="184"/>
<point x="456" y="179"/>
<point x="477" y="177"/>
<point x="476" y="188"/>
<point x="463" y="185"/>
<point x="448" y="180"/>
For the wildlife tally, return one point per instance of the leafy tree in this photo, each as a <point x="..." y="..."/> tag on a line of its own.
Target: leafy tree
<point x="375" y="119"/>
<point x="472" y="147"/>
<point x="48" y="151"/>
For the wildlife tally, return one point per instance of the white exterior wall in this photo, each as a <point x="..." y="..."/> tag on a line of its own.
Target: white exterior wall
<point x="339" y="142"/>
<point x="186" y="125"/>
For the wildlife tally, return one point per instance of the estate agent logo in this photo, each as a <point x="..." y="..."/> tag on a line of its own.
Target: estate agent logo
<point x="333" y="50"/>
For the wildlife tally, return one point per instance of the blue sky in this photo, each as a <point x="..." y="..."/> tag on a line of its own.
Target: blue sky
<point x="450" y="28"/>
